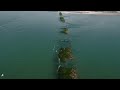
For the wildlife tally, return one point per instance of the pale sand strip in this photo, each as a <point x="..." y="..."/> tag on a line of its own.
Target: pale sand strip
<point x="92" y="12"/>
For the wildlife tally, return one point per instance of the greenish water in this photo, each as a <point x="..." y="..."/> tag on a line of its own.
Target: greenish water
<point x="27" y="40"/>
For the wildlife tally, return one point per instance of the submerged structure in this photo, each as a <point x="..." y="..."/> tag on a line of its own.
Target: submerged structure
<point x="64" y="30"/>
<point x="61" y="17"/>
<point x="64" y="55"/>
<point x="67" y="73"/>
<point x="60" y="13"/>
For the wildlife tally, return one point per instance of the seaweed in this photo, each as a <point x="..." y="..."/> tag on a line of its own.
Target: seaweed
<point x="65" y="31"/>
<point x="67" y="73"/>
<point x="65" y="54"/>
<point x="60" y="13"/>
<point x="62" y="19"/>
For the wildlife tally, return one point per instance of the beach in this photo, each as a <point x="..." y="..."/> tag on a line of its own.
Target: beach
<point x="93" y="12"/>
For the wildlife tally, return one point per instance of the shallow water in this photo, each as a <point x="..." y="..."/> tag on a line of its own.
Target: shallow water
<point x="28" y="40"/>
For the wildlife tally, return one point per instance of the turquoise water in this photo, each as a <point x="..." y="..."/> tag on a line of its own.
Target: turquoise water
<point x="27" y="40"/>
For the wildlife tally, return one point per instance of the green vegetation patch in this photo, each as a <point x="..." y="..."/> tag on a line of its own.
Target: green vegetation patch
<point x="60" y="13"/>
<point x="62" y="19"/>
<point x="65" y="54"/>
<point x="65" y="31"/>
<point x="67" y="73"/>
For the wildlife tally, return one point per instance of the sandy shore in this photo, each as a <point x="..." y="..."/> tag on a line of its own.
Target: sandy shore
<point x="92" y="12"/>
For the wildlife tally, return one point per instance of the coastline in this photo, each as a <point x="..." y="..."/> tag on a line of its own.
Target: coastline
<point x="93" y="12"/>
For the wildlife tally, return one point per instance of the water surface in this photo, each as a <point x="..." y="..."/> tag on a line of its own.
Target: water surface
<point x="28" y="38"/>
